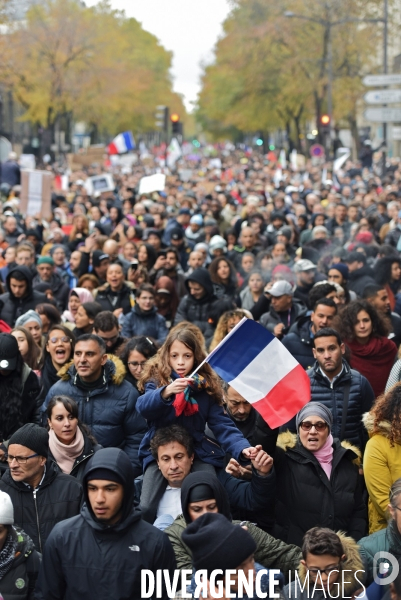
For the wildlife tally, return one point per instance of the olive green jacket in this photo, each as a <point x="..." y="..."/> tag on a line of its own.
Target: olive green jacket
<point x="271" y="553"/>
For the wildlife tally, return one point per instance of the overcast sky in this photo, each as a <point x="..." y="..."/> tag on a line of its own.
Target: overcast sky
<point x="190" y="28"/>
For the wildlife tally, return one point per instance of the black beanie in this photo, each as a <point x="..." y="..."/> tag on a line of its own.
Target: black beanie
<point x="216" y="543"/>
<point x="32" y="436"/>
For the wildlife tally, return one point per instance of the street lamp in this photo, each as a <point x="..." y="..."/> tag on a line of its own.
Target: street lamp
<point x="328" y="26"/>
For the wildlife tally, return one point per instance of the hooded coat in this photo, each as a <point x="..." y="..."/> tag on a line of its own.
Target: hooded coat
<point x="110" y="300"/>
<point x="381" y="468"/>
<point x="58" y="497"/>
<point x="24" y="569"/>
<point x="271" y="553"/>
<point x="299" y="342"/>
<point x="109" y="411"/>
<point x="359" y="279"/>
<point x="87" y="558"/>
<point x="352" y="573"/>
<point x="198" y="311"/>
<point x="59" y="288"/>
<point x="306" y="498"/>
<point x="11" y="307"/>
<point x="149" y="323"/>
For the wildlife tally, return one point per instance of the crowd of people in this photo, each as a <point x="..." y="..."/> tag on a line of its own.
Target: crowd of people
<point x="121" y="450"/>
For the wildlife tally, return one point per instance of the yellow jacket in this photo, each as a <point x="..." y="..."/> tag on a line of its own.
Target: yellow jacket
<point x="381" y="467"/>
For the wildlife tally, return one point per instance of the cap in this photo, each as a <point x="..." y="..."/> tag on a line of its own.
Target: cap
<point x="184" y="211"/>
<point x="32" y="436"/>
<point x="304" y="265"/>
<point x="210" y="222"/>
<point x="176" y="234"/>
<point x="8" y="351"/>
<point x="355" y="257"/>
<point x="6" y="509"/>
<point x="45" y="260"/>
<point x="281" y="288"/>
<point x="217" y="243"/>
<point x="98" y="256"/>
<point x="151" y="231"/>
<point x="197" y="220"/>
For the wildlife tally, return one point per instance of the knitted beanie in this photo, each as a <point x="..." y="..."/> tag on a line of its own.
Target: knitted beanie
<point x="32" y="436"/>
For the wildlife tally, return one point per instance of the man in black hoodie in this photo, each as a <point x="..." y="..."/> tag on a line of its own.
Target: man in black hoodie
<point x="200" y="304"/>
<point x="360" y="275"/>
<point x="21" y="296"/>
<point x="101" y="552"/>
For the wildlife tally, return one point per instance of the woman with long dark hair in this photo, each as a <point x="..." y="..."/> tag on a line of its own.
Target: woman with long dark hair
<point x="30" y="351"/>
<point x="146" y="255"/>
<point x="58" y="351"/>
<point x="387" y="272"/>
<point x="49" y="315"/>
<point x="71" y="443"/>
<point x="365" y="333"/>
<point x="223" y="274"/>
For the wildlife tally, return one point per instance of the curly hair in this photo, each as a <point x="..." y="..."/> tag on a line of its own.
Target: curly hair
<point x="346" y="320"/>
<point x="382" y="269"/>
<point x="222" y="325"/>
<point x="214" y="267"/>
<point x="388" y="408"/>
<point x="159" y="370"/>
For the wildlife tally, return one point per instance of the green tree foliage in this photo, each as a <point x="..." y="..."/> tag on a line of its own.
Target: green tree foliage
<point x="271" y="71"/>
<point x="92" y="63"/>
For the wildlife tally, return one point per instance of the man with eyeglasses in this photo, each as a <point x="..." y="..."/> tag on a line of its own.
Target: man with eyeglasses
<point x="107" y="327"/>
<point x="41" y="494"/>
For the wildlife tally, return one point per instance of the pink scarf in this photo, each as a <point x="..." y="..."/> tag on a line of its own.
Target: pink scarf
<point x="325" y="455"/>
<point x="65" y="455"/>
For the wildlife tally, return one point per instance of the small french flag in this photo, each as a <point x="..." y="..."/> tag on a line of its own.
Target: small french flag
<point x="260" y="368"/>
<point x="123" y="142"/>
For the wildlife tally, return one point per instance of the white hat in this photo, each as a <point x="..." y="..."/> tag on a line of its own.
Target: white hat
<point x="304" y="265"/>
<point x="281" y="288"/>
<point x="6" y="509"/>
<point x="217" y="243"/>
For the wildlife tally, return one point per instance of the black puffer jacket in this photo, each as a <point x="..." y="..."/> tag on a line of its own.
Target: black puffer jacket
<point x="11" y="307"/>
<point x="24" y="569"/>
<point x="300" y="343"/>
<point x="306" y="498"/>
<point x="59" y="287"/>
<point x="59" y="497"/>
<point x="359" y="279"/>
<point x="30" y="404"/>
<point x="150" y="323"/>
<point x="85" y="558"/>
<point x="109" y="300"/>
<point x="198" y="311"/>
<point x="109" y="411"/>
<point x="361" y="399"/>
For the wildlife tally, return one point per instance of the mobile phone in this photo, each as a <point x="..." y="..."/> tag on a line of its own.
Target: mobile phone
<point x="162" y="253"/>
<point x="134" y="265"/>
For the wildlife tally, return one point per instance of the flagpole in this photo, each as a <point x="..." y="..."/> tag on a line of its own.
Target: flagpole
<point x="223" y="341"/>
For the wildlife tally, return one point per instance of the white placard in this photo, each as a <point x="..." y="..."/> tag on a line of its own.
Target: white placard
<point x="99" y="183"/>
<point x="34" y="193"/>
<point x="153" y="183"/>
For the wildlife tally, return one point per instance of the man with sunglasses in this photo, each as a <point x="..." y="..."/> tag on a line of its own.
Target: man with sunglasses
<point x="41" y="494"/>
<point x="344" y="391"/>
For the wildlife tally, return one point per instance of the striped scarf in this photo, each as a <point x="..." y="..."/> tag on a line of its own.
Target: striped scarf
<point x="184" y="403"/>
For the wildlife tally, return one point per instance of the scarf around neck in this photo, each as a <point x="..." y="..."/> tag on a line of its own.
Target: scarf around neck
<point x="7" y="554"/>
<point x="65" y="456"/>
<point x="325" y="456"/>
<point x="185" y="403"/>
<point x="374" y="360"/>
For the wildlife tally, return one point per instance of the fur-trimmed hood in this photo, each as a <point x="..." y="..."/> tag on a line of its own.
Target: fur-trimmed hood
<point x="352" y="564"/>
<point x="288" y="440"/>
<point x="382" y="428"/>
<point x="115" y="370"/>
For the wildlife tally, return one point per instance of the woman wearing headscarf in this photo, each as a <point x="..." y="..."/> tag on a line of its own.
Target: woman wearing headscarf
<point x="318" y="480"/>
<point x="77" y="297"/>
<point x="202" y="492"/>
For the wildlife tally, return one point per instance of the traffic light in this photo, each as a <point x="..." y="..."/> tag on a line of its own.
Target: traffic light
<point x="176" y="124"/>
<point x="325" y="122"/>
<point x="162" y="117"/>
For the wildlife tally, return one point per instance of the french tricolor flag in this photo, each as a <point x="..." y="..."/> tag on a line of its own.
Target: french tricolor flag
<point x="260" y="368"/>
<point x="123" y="142"/>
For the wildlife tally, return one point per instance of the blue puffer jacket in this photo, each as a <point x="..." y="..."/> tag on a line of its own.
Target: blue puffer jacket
<point x="109" y="411"/>
<point x="161" y="413"/>
<point x="361" y="399"/>
<point x="149" y="323"/>
<point x="300" y="343"/>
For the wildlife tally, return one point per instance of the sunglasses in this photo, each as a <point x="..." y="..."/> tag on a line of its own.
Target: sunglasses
<point x="319" y="426"/>
<point x="65" y="339"/>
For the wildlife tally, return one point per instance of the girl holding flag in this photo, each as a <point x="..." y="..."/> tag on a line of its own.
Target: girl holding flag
<point x="173" y="395"/>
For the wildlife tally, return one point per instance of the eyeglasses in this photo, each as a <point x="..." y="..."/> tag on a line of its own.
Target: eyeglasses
<point x="319" y="426"/>
<point x="21" y="460"/>
<point x="137" y="364"/>
<point x="327" y="571"/>
<point x="65" y="339"/>
<point x="109" y="340"/>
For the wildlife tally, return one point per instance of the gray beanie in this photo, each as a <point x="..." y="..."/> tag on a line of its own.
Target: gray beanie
<point x="316" y="409"/>
<point x="6" y="509"/>
<point x="27" y="317"/>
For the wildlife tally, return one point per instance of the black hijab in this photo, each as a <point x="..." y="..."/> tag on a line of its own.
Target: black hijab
<point x="201" y="478"/>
